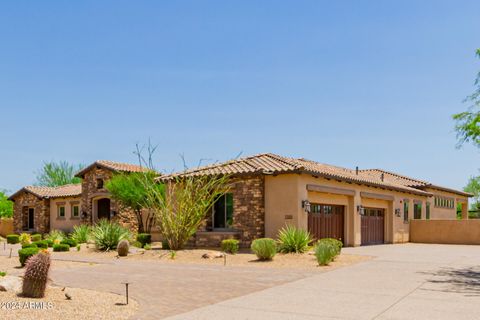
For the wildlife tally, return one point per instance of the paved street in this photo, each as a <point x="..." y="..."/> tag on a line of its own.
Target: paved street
<point x="411" y="281"/>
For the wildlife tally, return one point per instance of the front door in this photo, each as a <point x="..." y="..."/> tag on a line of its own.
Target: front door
<point x="326" y="221"/>
<point x="31" y="217"/>
<point x="103" y="208"/>
<point x="373" y="226"/>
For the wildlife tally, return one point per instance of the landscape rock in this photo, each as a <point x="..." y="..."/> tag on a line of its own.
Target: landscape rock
<point x="212" y="255"/>
<point x="11" y="283"/>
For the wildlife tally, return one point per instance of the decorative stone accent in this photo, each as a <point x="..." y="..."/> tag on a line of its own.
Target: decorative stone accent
<point x="91" y="192"/>
<point x="41" y="218"/>
<point x="248" y="215"/>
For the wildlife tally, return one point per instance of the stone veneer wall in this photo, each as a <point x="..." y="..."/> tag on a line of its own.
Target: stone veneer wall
<point x="41" y="216"/>
<point x="89" y="192"/>
<point x="248" y="215"/>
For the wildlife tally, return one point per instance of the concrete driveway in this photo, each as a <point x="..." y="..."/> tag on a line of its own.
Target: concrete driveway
<point x="408" y="281"/>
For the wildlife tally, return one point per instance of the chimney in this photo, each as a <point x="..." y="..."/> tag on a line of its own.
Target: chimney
<point x="356" y="170"/>
<point x="382" y="176"/>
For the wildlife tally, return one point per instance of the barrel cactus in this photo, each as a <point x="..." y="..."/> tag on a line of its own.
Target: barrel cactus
<point x="122" y="248"/>
<point x="36" y="275"/>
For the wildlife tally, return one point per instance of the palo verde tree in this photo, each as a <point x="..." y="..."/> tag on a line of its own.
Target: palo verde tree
<point x="6" y="206"/>
<point x="473" y="186"/>
<point x="468" y="122"/>
<point x="130" y="192"/>
<point x="54" y="174"/>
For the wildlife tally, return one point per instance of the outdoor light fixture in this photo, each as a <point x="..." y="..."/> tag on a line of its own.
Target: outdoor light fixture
<point x="306" y="205"/>
<point x="397" y="212"/>
<point x="361" y="210"/>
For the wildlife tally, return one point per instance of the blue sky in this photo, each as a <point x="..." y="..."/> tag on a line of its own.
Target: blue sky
<point x="367" y="83"/>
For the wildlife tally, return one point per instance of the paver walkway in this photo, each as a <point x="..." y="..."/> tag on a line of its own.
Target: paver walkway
<point x="164" y="289"/>
<point x="410" y="281"/>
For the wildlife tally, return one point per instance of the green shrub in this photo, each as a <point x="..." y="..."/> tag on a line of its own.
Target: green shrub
<point x="61" y="247"/>
<point x="36" y="237"/>
<point x="336" y="244"/>
<point x="136" y="244"/>
<point x="78" y="247"/>
<point x="264" y="248"/>
<point x="13" y="238"/>
<point x="165" y="245"/>
<point x="81" y="233"/>
<point x="108" y="234"/>
<point x="25" y="238"/>
<point x="147" y="246"/>
<point x="70" y="242"/>
<point x="55" y="235"/>
<point x="292" y="239"/>
<point x="24" y="254"/>
<point x="324" y="252"/>
<point x="41" y="244"/>
<point x="49" y="242"/>
<point x="230" y="246"/>
<point x="144" y="238"/>
<point x="29" y="245"/>
<point x="3" y="273"/>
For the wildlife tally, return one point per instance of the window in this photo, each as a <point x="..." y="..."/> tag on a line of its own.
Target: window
<point x="417" y="210"/>
<point x="427" y="210"/>
<point x="405" y="210"/>
<point x="75" y="210"/>
<point x="222" y="216"/>
<point x="443" y="202"/>
<point x="61" y="211"/>
<point x="99" y="183"/>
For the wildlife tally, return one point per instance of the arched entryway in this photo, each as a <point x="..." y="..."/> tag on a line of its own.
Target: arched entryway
<point x="102" y="207"/>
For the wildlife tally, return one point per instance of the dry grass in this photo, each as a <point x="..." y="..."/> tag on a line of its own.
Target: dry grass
<point x="85" y="304"/>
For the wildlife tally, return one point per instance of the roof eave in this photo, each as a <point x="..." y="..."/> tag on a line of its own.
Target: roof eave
<point x="386" y="187"/>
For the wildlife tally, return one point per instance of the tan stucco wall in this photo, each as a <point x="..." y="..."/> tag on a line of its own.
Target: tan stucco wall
<point x="282" y="200"/>
<point x="284" y="194"/>
<point x="65" y="224"/>
<point x="437" y="213"/>
<point x="446" y="231"/>
<point x="6" y="226"/>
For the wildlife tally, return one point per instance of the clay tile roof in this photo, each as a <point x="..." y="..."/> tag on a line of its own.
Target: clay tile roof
<point x="69" y="190"/>
<point x="268" y="163"/>
<point x="114" y="166"/>
<point x="396" y="178"/>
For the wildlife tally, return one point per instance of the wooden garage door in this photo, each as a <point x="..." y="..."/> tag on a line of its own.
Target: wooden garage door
<point x="326" y="221"/>
<point x="373" y="226"/>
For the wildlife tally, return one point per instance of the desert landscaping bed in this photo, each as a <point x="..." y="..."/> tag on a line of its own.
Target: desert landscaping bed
<point x="55" y="305"/>
<point x="85" y="304"/>
<point x="195" y="256"/>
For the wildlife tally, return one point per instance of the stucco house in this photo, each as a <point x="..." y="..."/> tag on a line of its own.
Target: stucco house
<point x="360" y="207"/>
<point x="268" y="191"/>
<point x="41" y="209"/>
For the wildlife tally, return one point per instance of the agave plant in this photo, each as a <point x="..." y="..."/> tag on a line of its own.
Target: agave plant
<point x="81" y="233"/>
<point x="292" y="239"/>
<point x="55" y="235"/>
<point x="107" y="234"/>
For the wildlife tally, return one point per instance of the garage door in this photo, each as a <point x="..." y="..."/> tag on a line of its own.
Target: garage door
<point x="326" y="221"/>
<point x="373" y="226"/>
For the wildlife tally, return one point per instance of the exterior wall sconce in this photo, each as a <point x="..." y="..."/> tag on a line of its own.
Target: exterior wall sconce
<point x="397" y="212"/>
<point x="306" y="206"/>
<point x="361" y="210"/>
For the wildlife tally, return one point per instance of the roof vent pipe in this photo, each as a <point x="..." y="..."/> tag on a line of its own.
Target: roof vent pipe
<point x="382" y="176"/>
<point x="356" y="170"/>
